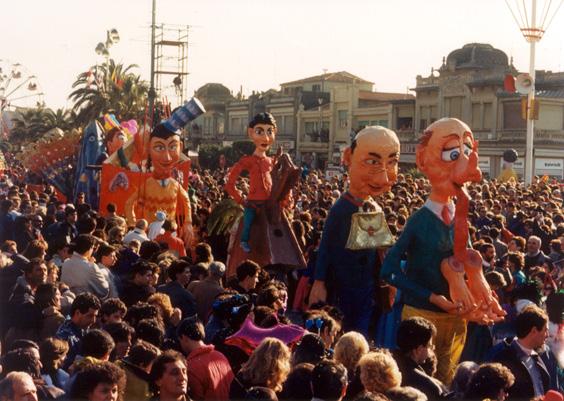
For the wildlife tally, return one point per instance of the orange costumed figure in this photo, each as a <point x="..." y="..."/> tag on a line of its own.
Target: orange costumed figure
<point x="443" y="280"/>
<point x="161" y="192"/>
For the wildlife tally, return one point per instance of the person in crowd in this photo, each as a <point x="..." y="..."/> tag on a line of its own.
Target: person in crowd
<point x="24" y="318"/>
<point x="48" y="305"/>
<point x="23" y="231"/>
<point x="298" y="383"/>
<point x="156" y="226"/>
<point x="122" y="334"/>
<point x="329" y="381"/>
<point x="379" y="372"/>
<point x="102" y="381"/>
<point x="173" y="243"/>
<point x="268" y="366"/>
<point x="106" y="256"/>
<point x="84" y="311"/>
<point x="28" y="361"/>
<point x="310" y="349"/>
<point x="348" y="350"/>
<point x="531" y="363"/>
<point x="112" y="310"/>
<point x="462" y="375"/>
<point x="179" y="274"/>
<point x="535" y="256"/>
<point x="18" y="386"/>
<point x="206" y="290"/>
<point x="209" y="372"/>
<point x="169" y="377"/>
<point x="137" y="367"/>
<point x="247" y="277"/>
<point x="53" y="353"/>
<point x="415" y="345"/>
<point x="139" y="233"/>
<point x="203" y="253"/>
<point x="80" y="273"/>
<point x="492" y="381"/>
<point x="139" y="288"/>
<point x="96" y="345"/>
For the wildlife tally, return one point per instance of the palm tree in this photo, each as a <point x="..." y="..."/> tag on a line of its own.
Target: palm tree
<point x="109" y="88"/>
<point x="61" y="118"/>
<point x="28" y="126"/>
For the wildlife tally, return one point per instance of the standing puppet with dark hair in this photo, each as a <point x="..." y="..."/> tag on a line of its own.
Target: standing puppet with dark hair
<point x="262" y="131"/>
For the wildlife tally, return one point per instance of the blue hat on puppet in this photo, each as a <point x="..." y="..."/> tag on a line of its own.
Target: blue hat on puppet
<point x="184" y="114"/>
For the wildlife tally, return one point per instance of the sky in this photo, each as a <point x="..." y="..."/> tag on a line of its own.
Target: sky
<point x="259" y="44"/>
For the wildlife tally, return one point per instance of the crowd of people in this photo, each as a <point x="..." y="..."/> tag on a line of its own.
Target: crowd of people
<point x="92" y="309"/>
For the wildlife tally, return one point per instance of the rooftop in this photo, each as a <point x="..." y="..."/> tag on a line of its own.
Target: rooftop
<point x="339" y="77"/>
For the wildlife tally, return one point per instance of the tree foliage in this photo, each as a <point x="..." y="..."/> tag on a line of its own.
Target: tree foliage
<point x="109" y="88"/>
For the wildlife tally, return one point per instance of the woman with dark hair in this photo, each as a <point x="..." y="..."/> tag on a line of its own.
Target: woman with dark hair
<point x="48" y="302"/>
<point x="23" y="231"/>
<point x="491" y="380"/>
<point x="53" y="352"/>
<point x="102" y="381"/>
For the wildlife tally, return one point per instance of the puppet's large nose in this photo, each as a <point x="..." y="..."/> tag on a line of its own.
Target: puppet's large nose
<point x="466" y="169"/>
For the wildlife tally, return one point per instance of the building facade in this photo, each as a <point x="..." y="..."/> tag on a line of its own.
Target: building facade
<point x="470" y="86"/>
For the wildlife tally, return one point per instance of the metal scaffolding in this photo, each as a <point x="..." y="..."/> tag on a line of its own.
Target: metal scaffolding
<point x="171" y="60"/>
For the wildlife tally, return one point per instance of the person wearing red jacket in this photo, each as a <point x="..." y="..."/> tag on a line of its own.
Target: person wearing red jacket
<point x="262" y="131"/>
<point x="209" y="372"/>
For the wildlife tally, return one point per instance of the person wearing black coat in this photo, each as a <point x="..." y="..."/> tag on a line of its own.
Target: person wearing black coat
<point x="528" y="357"/>
<point x="415" y="345"/>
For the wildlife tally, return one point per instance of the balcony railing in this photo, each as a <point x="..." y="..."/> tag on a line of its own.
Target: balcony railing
<point x="407" y="135"/>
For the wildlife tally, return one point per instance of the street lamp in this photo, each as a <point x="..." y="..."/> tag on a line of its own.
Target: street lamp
<point x="103" y="49"/>
<point x="532" y="27"/>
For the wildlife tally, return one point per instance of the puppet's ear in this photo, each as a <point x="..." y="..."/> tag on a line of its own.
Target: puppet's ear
<point x="250" y="132"/>
<point x="420" y="157"/>
<point x="347" y="155"/>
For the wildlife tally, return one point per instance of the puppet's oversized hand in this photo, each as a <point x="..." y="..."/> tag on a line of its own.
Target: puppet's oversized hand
<point x="460" y="295"/>
<point x="318" y="292"/>
<point x="440" y="301"/>
<point x="479" y="287"/>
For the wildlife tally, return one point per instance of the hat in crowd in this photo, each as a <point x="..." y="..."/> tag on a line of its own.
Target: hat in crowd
<point x="160" y="215"/>
<point x="217" y="268"/>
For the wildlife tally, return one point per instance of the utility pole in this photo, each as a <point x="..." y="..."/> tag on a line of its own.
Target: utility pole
<point x="152" y="93"/>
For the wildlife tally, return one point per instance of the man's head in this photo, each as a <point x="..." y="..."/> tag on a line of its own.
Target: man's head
<point x="143" y="354"/>
<point x="169" y="374"/>
<point x="18" y="386"/>
<point x="115" y="139"/>
<point x="448" y="156"/>
<point x="106" y="255"/>
<point x="97" y="344"/>
<point x="70" y="214"/>
<point x="329" y="381"/>
<point x="85" y="244"/>
<point x="415" y="338"/>
<point x="262" y="131"/>
<point x="372" y="161"/>
<point x="113" y="310"/>
<point x="84" y="310"/>
<point x="533" y="244"/>
<point x="488" y="252"/>
<point x="35" y="272"/>
<point x="179" y="271"/>
<point x="247" y="274"/>
<point x="531" y="327"/>
<point x="217" y="269"/>
<point x="142" y="224"/>
<point x="190" y="333"/>
<point x="142" y="272"/>
<point x="164" y="150"/>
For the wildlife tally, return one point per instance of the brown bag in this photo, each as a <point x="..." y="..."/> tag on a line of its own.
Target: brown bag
<point x="369" y="230"/>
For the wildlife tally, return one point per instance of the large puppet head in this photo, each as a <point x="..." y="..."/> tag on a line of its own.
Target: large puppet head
<point x="448" y="156"/>
<point x="262" y="131"/>
<point x="164" y="150"/>
<point x="372" y="160"/>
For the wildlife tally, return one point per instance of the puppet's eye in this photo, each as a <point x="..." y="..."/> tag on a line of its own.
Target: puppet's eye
<point x="467" y="149"/>
<point x="451" y="154"/>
